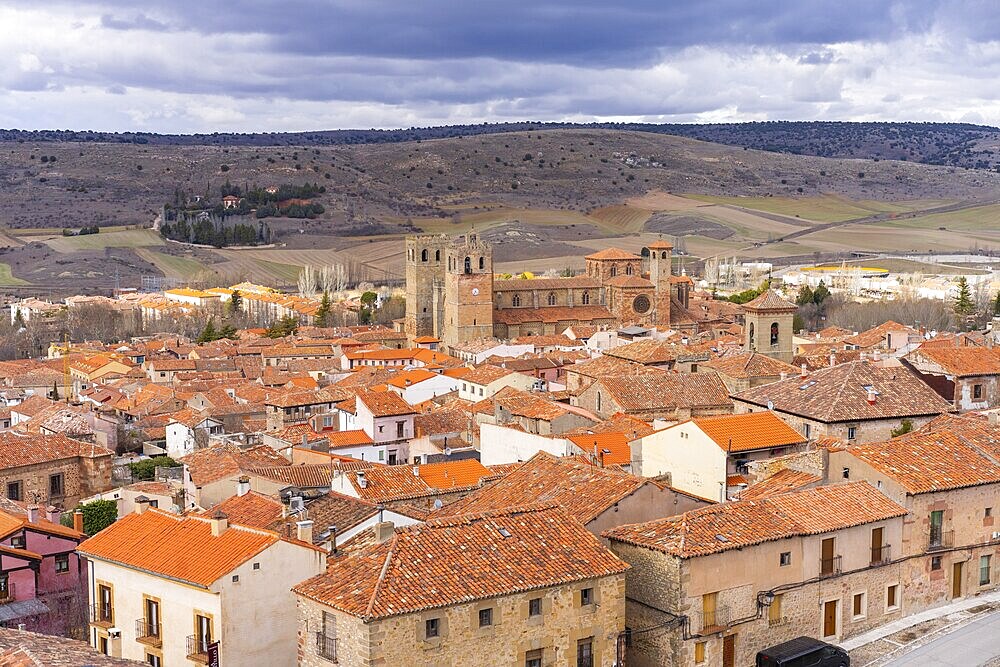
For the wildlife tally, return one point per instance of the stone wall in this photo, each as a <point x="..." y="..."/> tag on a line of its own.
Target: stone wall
<point x="35" y="482"/>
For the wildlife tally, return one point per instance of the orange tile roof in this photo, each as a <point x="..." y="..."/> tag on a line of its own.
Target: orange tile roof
<point x="348" y="438"/>
<point x="582" y="489"/>
<point x="11" y="523"/>
<point x="664" y="391"/>
<point x="451" y="474"/>
<point x="962" y="361"/>
<point x="457" y="560"/>
<point x="426" y="339"/>
<point x="214" y="463"/>
<point x="611" y="448"/>
<point x="744" y="523"/>
<point x="631" y="427"/>
<point x="23" y="450"/>
<point x="782" y="481"/>
<point x="749" y="431"/>
<point x="751" y="365"/>
<point x="612" y="253"/>
<point x="770" y="301"/>
<point x="178" y="547"/>
<point x="251" y="509"/>
<point x="486" y="374"/>
<point x="385" y="403"/>
<point x="391" y="483"/>
<point x="876" y="335"/>
<point x="411" y="377"/>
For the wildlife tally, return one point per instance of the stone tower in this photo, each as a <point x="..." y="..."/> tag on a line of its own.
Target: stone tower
<point x="768" y="326"/>
<point x="425" y="264"/>
<point x="468" y="291"/>
<point x="659" y="255"/>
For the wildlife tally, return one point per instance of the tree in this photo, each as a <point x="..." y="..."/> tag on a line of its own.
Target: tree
<point x="286" y="326"/>
<point x="323" y="311"/>
<point x="208" y="334"/>
<point x="805" y="296"/>
<point x="235" y="304"/>
<point x="820" y="294"/>
<point x="964" y="304"/>
<point x="97" y="515"/>
<point x="55" y="391"/>
<point x="145" y="470"/>
<point x="996" y="304"/>
<point x="369" y="298"/>
<point x="905" y="427"/>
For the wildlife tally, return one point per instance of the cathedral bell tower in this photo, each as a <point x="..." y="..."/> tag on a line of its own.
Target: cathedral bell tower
<point x="468" y="291"/>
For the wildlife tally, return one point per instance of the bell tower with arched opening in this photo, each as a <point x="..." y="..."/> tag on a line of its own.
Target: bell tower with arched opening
<point x="767" y="328"/>
<point x="468" y="291"/>
<point x="424" y="285"/>
<point x="658" y="257"/>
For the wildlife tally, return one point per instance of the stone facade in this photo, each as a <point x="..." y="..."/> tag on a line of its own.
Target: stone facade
<point x="867" y="430"/>
<point x="554" y="634"/>
<point x="81" y="478"/>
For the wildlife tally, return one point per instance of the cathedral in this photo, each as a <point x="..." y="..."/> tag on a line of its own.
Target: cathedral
<point x="453" y="295"/>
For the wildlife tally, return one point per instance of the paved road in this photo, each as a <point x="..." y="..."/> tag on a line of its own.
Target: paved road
<point x="973" y="645"/>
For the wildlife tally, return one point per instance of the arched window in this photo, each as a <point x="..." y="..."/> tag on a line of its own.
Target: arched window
<point x="663" y="255"/>
<point x="468" y="265"/>
<point x="516" y="301"/>
<point x="585" y="299"/>
<point x="482" y="263"/>
<point x="437" y="255"/>
<point x="645" y="252"/>
<point x="423" y="255"/>
<point x="614" y="271"/>
<point x="410" y="254"/>
<point x="551" y="299"/>
<point x="774" y="333"/>
<point x="598" y="401"/>
<point x="628" y="270"/>
<point x="753" y="343"/>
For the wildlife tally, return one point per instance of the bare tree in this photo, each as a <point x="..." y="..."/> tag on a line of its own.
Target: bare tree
<point x="307" y="282"/>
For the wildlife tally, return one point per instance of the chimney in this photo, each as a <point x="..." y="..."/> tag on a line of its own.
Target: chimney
<point x="784" y="375"/>
<point x="33" y="513"/>
<point x="362" y="481"/>
<point x="994" y="418"/>
<point x="416" y="471"/>
<point x="78" y="521"/>
<point x="305" y="440"/>
<point x="243" y="486"/>
<point x="304" y="531"/>
<point x="875" y="355"/>
<point x="803" y="372"/>
<point x="141" y="504"/>
<point x="53" y="514"/>
<point x="383" y="531"/>
<point x="872" y="397"/>
<point x="833" y="359"/>
<point x="220" y="522"/>
<point x="333" y="539"/>
<point x="863" y="356"/>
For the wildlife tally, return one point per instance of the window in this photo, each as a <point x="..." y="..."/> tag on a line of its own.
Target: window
<point x="774" y="334"/>
<point x="203" y="634"/>
<point x="586" y="596"/>
<point x="533" y="658"/>
<point x="468" y="265"/>
<point x="585" y="652"/>
<point x="551" y="299"/>
<point x="4" y="586"/>
<point x="437" y="255"/>
<point x="236" y="578"/>
<point x="585" y="299"/>
<point x="423" y="255"/>
<point x="847" y="473"/>
<point x="14" y="490"/>
<point x="480" y="391"/>
<point x="598" y="401"/>
<point x="988" y="512"/>
<point x="858" y="605"/>
<point x="399" y="428"/>
<point x="56" y="487"/>
<point x="935" y="562"/>
<point x="515" y="300"/>
<point x="774" y="611"/>
<point x="17" y="541"/>
<point x="432" y="628"/>
<point x="852" y="432"/>
<point x="105" y="609"/>
<point x="699" y="653"/>
<point x="785" y="558"/>
<point x="937" y="526"/>
<point x="984" y="570"/>
<point x="486" y="617"/>
<point x="464" y="387"/>
<point x="102" y="645"/>
<point x="256" y="566"/>
<point x="892" y="597"/>
<point x="614" y="271"/>
<point x="535" y="607"/>
<point x="154" y="660"/>
<point x="62" y="563"/>
<point x="977" y="391"/>
<point x="628" y="270"/>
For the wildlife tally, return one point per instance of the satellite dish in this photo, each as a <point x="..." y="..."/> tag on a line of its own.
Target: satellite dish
<point x="770" y="405"/>
<point x="475" y="291"/>
<point x="447" y="451"/>
<point x="438" y="504"/>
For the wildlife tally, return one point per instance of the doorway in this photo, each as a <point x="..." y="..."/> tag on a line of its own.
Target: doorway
<point x="830" y="618"/>
<point x="729" y="651"/>
<point x="956" y="580"/>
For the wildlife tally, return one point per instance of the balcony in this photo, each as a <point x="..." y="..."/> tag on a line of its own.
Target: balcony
<point x="714" y="621"/>
<point x="326" y="647"/>
<point x="940" y="539"/>
<point x="881" y="555"/>
<point x="197" y="648"/>
<point x="102" y="615"/>
<point x="829" y="567"/>
<point x="149" y="634"/>
<point x="7" y="594"/>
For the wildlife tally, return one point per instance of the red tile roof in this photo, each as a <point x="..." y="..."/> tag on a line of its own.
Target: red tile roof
<point x="251" y="509"/>
<point x="962" y="361"/>
<point x="18" y="449"/>
<point x="612" y="253"/>
<point x="782" y="481"/>
<point x="609" y="448"/>
<point x="214" y="463"/>
<point x="751" y="365"/>
<point x="348" y="438"/>
<point x="660" y="390"/>
<point x="455" y="561"/>
<point x="385" y="403"/>
<point x="748" y="431"/>
<point x="770" y="301"/>
<point x="552" y="314"/>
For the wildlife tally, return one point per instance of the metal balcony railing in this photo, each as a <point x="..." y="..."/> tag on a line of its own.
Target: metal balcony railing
<point x="326" y="646"/>
<point x="940" y="539"/>
<point x="715" y="621"/>
<point x="148" y="633"/>
<point x="102" y="614"/>
<point x="881" y="555"/>
<point x="828" y="567"/>
<point x="197" y="648"/>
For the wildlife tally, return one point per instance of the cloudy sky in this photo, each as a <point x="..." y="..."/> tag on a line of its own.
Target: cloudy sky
<point x="292" y="65"/>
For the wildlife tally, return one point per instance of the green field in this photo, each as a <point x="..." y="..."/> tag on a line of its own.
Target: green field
<point x="825" y="208"/>
<point x="7" y="279"/>
<point x="180" y="268"/>
<point x="977" y="219"/>
<point x="134" y="238"/>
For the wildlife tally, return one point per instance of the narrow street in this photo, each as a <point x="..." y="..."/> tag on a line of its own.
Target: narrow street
<point x="974" y="645"/>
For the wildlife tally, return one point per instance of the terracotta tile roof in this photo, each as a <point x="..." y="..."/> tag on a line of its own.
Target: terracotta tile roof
<point x="455" y="561"/>
<point x="660" y="390"/>
<point x="605" y="365"/>
<point x="582" y="489"/>
<point x="839" y="394"/>
<point x="172" y="364"/>
<point x="782" y="481"/>
<point x="631" y="427"/>
<point x="32" y="405"/>
<point x="441" y="422"/>
<point x="251" y="509"/>
<point x="611" y="448"/>
<point x="628" y="281"/>
<point x="392" y="483"/>
<point x="427" y="339"/>
<point x="612" y="253"/>
<point x="962" y="361"/>
<point x="814" y="362"/>
<point x="213" y="463"/>
<point x="450" y="474"/>
<point x="408" y="378"/>
<point x="748" y="431"/>
<point x="303" y="476"/>
<point x="948" y="453"/>
<point x="13" y="521"/>
<point x="384" y="403"/>
<point x="524" y="404"/>
<point x="552" y="314"/>
<point x="877" y="335"/>
<point x="295" y="397"/>
<point x="834" y="332"/>
<point x="547" y="340"/>
<point x="486" y="374"/>
<point x="650" y="351"/>
<point x="751" y="365"/>
<point x="574" y="282"/>
<point x="179" y="547"/>
<point x="744" y="523"/>
<point x="348" y="438"/>
<point x="330" y="509"/>
<point x="19" y="648"/>
<point x="770" y="301"/>
<point x="18" y="449"/>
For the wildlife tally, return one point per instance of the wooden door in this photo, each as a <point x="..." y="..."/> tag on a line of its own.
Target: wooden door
<point x="830" y="618"/>
<point x="729" y="651"/>
<point x="826" y="556"/>
<point x="956" y="580"/>
<point x="877" y="537"/>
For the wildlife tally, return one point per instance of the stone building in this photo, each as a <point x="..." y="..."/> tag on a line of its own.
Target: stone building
<point x="472" y="590"/>
<point x="969" y="377"/>
<point x="52" y="469"/>
<point x="713" y="586"/>
<point x="452" y="294"/>
<point x="768" y="326"/>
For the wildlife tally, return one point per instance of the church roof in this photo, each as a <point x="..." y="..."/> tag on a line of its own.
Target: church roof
<point x="770" y="301"/>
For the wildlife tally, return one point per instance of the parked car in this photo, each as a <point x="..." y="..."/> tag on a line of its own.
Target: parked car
<point x="803" y="652"/>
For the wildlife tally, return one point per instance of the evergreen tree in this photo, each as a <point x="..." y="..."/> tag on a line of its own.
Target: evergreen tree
<point x="235" y="302"/>
<point x="964" y="305"/>
<point x="208" y="334"/>
<point x="227" y="331"/>
<point x="820" y="294"/>
<point x="805" y="295"/>
<point x="286" y="326"/>
<point x="323" y="311"/>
